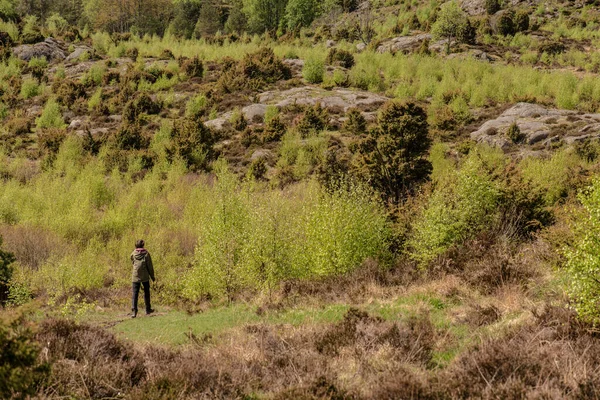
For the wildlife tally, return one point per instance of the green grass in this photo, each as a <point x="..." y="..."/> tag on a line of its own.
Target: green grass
<point x="174" y="327"/>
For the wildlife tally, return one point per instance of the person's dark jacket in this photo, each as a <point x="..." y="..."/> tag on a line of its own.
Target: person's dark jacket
<point x="143" y="270"/>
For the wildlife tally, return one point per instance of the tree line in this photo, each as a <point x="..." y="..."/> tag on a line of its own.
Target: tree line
<point x="182" y="18"/>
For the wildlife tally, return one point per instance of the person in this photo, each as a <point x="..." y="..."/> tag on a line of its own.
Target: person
<point x="143" y="271"/>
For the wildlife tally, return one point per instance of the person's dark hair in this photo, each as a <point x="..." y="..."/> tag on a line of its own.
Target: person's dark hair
<point x="139" y="244"/>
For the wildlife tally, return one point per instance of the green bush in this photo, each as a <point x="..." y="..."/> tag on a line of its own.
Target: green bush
<point x="492" y="6"/>
<point x="21" y="372"/>
<point x="313" y="71"/>
<point x="30" y="88"/>
<point x="6" y="272"/>
<point x="192" y="142"/>
<point x="355" y="122"/>
<point x="314" y="119"/>
<point x="522" y="21"/>
<point x="505" y="24"/>
<point x="197" y="107"/>
<point x="459" y="208"/>
<point x="583" y="257"/>
<point x="391" y="157"/>
<point x="95" y="75"/>
<point x="342" y="57"/>
<point x="253" y="72"/>
<point x="514" y="133"/>
<point x="141" y="104"/>
<point x="51" y="116"/>
<point x="259" y="243"/>
<point x="193" y="67"/>
<point x="68" y="91"/>
<point x="274" y="129"/>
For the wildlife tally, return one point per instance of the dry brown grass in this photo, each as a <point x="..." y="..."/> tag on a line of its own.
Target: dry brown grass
<point x="362" y="357"/>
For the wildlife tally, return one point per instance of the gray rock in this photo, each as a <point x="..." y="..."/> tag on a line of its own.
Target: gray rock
<point x="78" y="52"/>
<point x="336" y="101"/>
<point x="99" y="131"/>
<point x="540" y="125"/>
<point x="261" y="153"/>
<point x="537" y="137"/>
<point x="330" y="43"/>
<point x="75" y="124"/>
<point x="218" y="123"/>
<point x="361" y="46"/>
<point x="295" y="65"/>
<point x="404" y="44"/>
<point x="50" y="48"/>
<point x="255" y="112"/>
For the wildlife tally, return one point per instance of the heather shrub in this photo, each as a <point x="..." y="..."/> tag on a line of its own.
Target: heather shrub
<point x="313" y="120"/>
<point x="252" y="72"/>
<point x="274" y="129"/>
<point x="341" y="57"/>
<point x="21" y="373"/>
<point x="355" y="122"/>
<point x="141" y="104"/>
<point x="68" y="91"/>
<point x="6" y="272"/>
<point x="193" y="67"/>
<point x="514" y="133"/>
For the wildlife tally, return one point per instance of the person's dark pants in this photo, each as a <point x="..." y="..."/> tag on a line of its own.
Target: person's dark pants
<point x="136" y="291"/>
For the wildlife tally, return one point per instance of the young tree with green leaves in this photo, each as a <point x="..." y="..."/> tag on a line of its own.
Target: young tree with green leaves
<point x="582" y="275"/>
<point x="450" y="23"/>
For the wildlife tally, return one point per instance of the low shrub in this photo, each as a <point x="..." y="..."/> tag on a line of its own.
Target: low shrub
<point x="355" y="122"/>
<point x="141" y="104"/>
<point x="51" y="116"/>
<point x="68" y="91"/>
<point x="193" y="68"/>
<point x="313" y="71"/>
<point x="253" y="72"/>
<point x="340" y="57"/>
<point x="583" y="261"/>
<point x="238" y="120"/>
<point x="274" y="130"/>
<point x="191" y="141"/>
<point x="197" y="107"/>
<point x="22" y="373"/>
<point x="132" y="53"/>
<point x="18" y="126"/>
<point x="514" y="133"/>
<point x="30" y="88"/>
<point x="314" y="119"/>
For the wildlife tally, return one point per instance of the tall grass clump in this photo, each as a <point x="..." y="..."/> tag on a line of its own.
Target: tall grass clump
<point x="30" y="88"/>
<point x="313" y="70"/>
<point x="51" y="116"/>
<point x="554" y="176"/>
